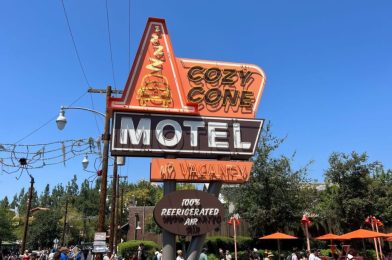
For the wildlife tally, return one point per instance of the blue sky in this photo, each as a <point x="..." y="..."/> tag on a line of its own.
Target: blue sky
<point x="328" y="67"/>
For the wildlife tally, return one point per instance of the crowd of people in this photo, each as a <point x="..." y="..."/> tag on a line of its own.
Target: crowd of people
<point x="62" y="253"/>
<point x="74" y="253"/>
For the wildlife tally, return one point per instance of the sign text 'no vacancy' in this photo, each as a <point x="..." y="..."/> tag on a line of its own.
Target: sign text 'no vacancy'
<point x="200" y="170"/>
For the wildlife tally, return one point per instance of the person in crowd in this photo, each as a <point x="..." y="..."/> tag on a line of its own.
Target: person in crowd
<point x="33" y="256"/>
<point x="57" y="255"/>
<point x="221" y="254"/>
<point x="51" y="255"/>
<point x="159" y="256"/>
<point x="255" y="254"/>
<point x="64" y="253"/>
<point x="312" y="255"/>
<point x="302" y="255"/>
<point x="179" y="255"/>
<point x="294" y="254"/>
<point x="77" y="253"/>
<point x="265" y="255"/>
<point x="105" y="256"/>
<point x="228" y="255"/>
<point x="26" y="255"/>
<point x="141" y="254"/>
<point x="203" y="255"/>
<point x="248" y="255"/>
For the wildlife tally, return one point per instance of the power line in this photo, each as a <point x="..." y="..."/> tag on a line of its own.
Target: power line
<point x="79" y="60"/>
<point x="95" y="116"/>
<point x="129" y="34"/>
<point x="110" y="44"/>
<point x="49" y="121"/>
<point x="74" y="44"/>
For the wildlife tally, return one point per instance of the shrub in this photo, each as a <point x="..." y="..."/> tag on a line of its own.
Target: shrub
<point x="369" y="254"/>
<point x="212" y="257"/>
<point x="215" y="242"/>
<point x="325" y="252"/>
<point x="244" y="243"/>
<point x="127" y="249"/>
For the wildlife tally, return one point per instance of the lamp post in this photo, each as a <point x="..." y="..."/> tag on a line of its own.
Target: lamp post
<point x="61" y="121"/>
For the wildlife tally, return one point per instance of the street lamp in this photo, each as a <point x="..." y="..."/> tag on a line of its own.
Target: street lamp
<point x="137" y="228"/>
<point x="61" y="121"/>
<point x="85" y="162"/>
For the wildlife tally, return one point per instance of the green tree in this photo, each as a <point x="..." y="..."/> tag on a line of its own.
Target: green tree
<point x="72" y="188"/>
<point x="6" y="228"/>
<point x="276" y="196"/>
<point x="44" y="229"/>
<point x="86" y="204"/>
<point x="45" y="198"/>
<point x="349" y="179"/>
<point x="381" y="193"/>
<point x="14" y="203"/>
<point x="58" y="194"/>
<point x="4" y="203"/>
<point x="144" y="193"/>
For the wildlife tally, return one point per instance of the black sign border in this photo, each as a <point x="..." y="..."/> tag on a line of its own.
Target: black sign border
<point x="206" y="154"/>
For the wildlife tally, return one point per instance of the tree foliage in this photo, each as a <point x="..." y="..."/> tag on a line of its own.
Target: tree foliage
<point x="44" y="229"/>
<point x="276" y="196"/>
<point x="356" y="188"/>
<point x="6" y="228"/>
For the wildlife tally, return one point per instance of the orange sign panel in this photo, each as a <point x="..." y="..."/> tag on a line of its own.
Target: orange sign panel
<point x="200" y="170"/>
<point x="160" y="82"/>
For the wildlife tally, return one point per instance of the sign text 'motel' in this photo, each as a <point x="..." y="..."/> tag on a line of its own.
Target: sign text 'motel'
<point x="184" y="136"/>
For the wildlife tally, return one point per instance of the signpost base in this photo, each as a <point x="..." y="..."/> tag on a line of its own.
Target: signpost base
<point x="197" y="242"/>
<point x="169" y="239"/>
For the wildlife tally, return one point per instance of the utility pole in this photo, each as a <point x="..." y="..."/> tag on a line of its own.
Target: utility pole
<point x="113" y="208"/>
<point x="104" y="177"/>
<point x="118" y="215"/>
<point x="26" y="224"/>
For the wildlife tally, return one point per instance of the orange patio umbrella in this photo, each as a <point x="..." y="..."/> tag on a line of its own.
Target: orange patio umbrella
<point x="331" y="237"/>
<point x="278" y="236"/>
<point x="362" y="233"/>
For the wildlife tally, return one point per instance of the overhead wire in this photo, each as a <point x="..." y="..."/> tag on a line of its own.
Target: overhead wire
<point x="110" y="44"/>
<point x="47" y="122"/>
<point x="129" y="34"/>
<point x="80" y="61"/>
<point x="74" y="43"/>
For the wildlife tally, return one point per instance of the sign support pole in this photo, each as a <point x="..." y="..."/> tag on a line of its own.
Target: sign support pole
<point x="197" y="242"/>
<point x="169" y="239"/>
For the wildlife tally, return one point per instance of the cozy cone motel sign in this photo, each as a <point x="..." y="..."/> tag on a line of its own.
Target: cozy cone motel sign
<point x="188" y="109"/>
